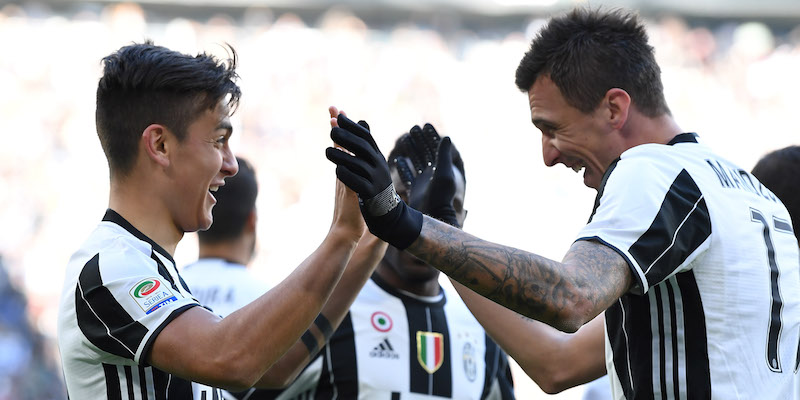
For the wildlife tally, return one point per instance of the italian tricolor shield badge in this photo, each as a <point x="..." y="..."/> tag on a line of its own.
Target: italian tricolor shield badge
<point x="430" y="350"/>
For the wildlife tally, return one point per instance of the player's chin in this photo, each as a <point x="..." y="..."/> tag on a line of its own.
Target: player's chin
<point x="201" y="222"/>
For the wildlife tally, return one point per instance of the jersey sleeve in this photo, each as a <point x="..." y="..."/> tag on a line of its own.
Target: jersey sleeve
<point x="654" y="215"/>
<point x="123" y="300"/>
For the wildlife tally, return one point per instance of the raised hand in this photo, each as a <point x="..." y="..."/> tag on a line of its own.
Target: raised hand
<point x="366" y="172"/>
<point x="424" y="163"/>
<point x="433" y="191"/>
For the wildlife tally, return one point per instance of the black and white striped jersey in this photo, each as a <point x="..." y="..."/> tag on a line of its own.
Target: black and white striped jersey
<point x="120" y="290"/>
<point x="393" y="345"/>
<point x="715" y="307"/>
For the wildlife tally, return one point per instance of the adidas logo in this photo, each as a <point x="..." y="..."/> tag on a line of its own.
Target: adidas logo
<point x="384" y="349"/>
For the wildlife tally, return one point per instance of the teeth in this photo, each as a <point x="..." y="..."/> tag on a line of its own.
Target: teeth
<point x="213" y="188"/>
<point x="577" y="168"/>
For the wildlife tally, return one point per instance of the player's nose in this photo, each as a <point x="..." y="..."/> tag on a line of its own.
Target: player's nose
<point x="230" y="166"/>
<point x="550" y="153"/>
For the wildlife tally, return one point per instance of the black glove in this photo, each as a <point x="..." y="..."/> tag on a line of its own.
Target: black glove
<point x="366" y="173"/>
<point x="418" y="148"/>
<point x="433" y="190"/>
<point x="425" y="165"/>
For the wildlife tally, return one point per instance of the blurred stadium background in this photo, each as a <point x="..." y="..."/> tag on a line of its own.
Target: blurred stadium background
<point x="729" y="68"/>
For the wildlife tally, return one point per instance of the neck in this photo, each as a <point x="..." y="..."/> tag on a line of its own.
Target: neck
<point x="423" y="287"/>
<point x="149" y="217"/>
<point x="640" y="129"/>
<point x="238" y="250"/>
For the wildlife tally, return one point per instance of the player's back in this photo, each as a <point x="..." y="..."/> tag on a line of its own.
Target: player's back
<point x="748" y="281"/>
<point x="724" y="311"/>
<point x="222" y="285"/>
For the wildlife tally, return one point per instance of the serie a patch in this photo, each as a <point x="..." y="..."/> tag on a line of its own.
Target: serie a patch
<point x="151" y="294"/>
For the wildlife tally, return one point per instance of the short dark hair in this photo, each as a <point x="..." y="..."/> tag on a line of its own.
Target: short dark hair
<point x="779" y="171"/>
<point x="144" y="84"/>
<point x="586" y="52"/>
<point x="235" y="201"/>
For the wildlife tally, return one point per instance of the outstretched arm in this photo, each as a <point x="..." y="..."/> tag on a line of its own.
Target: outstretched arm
<point x="555" y="360"/>
<point x="235" y="352"/>
<point x="369" y="252"/>
<point x="564" y="294"/>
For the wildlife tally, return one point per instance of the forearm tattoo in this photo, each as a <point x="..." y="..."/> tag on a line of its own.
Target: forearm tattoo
<point x="591" y="276"/>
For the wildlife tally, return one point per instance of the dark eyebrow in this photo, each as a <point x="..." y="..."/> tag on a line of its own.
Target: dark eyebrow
<point x="543" y="123"/>
<point x="225" y="124"/>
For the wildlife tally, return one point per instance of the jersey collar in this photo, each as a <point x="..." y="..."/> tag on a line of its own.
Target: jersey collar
<point x="688" y="137"/>
<point x="113" y="216"/>
<point x="399" y="294"/>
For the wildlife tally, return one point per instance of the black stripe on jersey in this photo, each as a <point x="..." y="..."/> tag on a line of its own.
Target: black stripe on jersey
<point x="631" y="345"/>
<point x="440" y="383"/>
<point x="497" y="369"/>
<point x="680" y="227"/>
<point x="113" y="216"/>
<point x="160" y="382"/>
<point x="674" y="340"/>
<point x="339" y="365"/>
<point x="662" y="350"/>
<point x="602" y="187"/>
<point x="698" y="370"/>
<point x="129" y="380"/>
<point x="101" y="318"/>
<point x="113" y="391"/>
<point x="491" y="359"/>
<point x="143" y="383"/>
<point x="162" y="270"/>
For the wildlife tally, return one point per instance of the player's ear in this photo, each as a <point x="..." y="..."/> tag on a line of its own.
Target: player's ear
<point x="154" y="140"/>
<point x="617" y="103"/>
<point x="252" y="221"/>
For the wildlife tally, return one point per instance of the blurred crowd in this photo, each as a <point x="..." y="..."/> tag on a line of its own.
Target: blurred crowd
<point x="734" y="83"/>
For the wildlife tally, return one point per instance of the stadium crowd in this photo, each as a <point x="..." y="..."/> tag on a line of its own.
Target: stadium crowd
<point x="727" y="82"/>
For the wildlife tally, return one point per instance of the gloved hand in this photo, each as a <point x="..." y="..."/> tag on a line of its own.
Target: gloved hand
<point x="433" y="191"/>
<point x="424" y="163"/>
<point x="367" y="173"/>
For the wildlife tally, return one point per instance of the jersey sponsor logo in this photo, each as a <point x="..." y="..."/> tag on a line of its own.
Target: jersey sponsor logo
<point x="430" y="350"/>
<point x="150" y="294"/>
<point x="384" y="349"/>
<point x="470" y="366"/>
<point x="381" y="321"/>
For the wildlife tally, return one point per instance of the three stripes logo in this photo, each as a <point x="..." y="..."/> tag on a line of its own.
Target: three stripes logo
<point x="430" y="350"/>
<point x="384" y="349"/>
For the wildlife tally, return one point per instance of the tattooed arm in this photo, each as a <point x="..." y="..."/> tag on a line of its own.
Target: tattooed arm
<point x="564" y="295"/>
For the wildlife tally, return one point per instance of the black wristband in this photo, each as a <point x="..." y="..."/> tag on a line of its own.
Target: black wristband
<point x="311" y="343"/>
<point x="399" y="227"/>
<point x="324" y="326"/>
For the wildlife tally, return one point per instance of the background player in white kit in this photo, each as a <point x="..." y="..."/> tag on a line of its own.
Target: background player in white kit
<point x="691" y="258"/>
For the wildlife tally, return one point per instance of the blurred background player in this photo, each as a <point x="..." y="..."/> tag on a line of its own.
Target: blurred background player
<point x="405" y="335"/>
<point x="779" y="171"/>
<point x="220" y="278"/>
